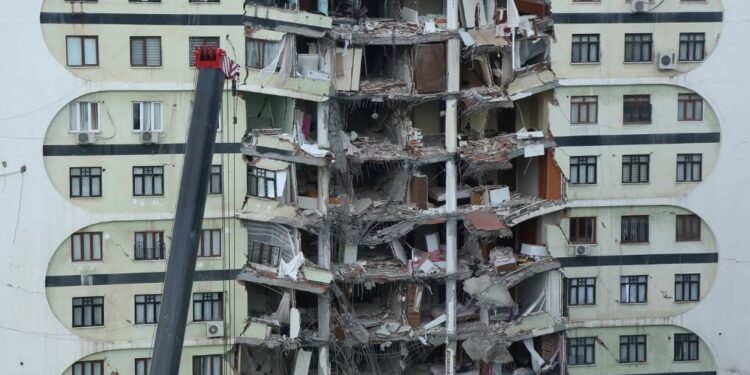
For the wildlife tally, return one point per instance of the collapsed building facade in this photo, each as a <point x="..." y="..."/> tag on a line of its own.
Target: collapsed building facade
<point x="397" y="159"/>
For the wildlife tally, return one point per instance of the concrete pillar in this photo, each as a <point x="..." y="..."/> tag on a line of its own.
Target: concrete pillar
<point x="322" y="121"/>
<point x="324" y="242"/>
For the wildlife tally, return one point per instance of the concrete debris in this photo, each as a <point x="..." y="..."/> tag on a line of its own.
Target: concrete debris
<point x="488" y="292"/>
<point x="487" y="350"/>
<point x="294" y="323"/>
<point x="302" y="363"/>
<point x="435" y="322"/>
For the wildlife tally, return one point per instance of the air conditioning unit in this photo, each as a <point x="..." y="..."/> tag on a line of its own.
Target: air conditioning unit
<point x="639" y="6"/>
<point x="667" y="61"/>
<point x="215" y="329"/>
<point x="86" y="138"/>
<point x="149" y="137"/>
<point x="580" y="250"/>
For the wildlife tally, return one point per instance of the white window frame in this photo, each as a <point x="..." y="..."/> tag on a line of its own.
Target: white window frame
<point x="153" y="116"/>
<point x="74" y="118"/>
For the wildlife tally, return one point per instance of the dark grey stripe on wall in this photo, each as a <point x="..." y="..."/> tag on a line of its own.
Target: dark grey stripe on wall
<point x="649" y="17"/>
<point x="680" y="373"/>
<point x="637" y="139"/>
<point x="143" y="19"/>
<point x="638" y="260"/>
<point x="130" y="149"/>
<point x="133" y="278"/>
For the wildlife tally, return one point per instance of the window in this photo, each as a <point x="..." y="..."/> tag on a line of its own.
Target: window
<point x="585" y="48"/>
<point x="582" y="170"/>
<point x="88" y="368"/>
<point x="148" y="181"/>
<point x="685" y="347"/>
<point x="689" y="107"/>
<point x="688" y="228"/>
<point x="86" y="246"/>
<point x="198" y="41"/>
<point x="580" y="350"/>
<point x="632" y="348"/>
<point x="149" y="245"/>
<point x="262" y="253"/>
<point x="687" y="287"/>
<point x="84" y="117"/>
<point x="145" y="51"/>
<point x="261" y="53"/>
<point x="635" y="169"/>
<point x="692" y="46"/>
<point x="636" y="109"/>
<point x="261" y="183"/>
<point x="88" y="311"/>
<point x="214" y="180"/>
<point x="210" y="245"/>
<point x="582" y="230"/>
<point x="208" y="306"/>
<point x="82" y="50"/>
<point x="147" y="116"/>
<point x="85" y="182"/>
<point x="142" y="364"/>
<point x="633" y="289"/>
<point x="638" y="47"/>
<point x="582" y="291"/>
<point x="689" y="167"/>
<point x="207" y="364"/>
<point x="204" y="1"/>
<point x="147" y="308"/>
<point x="584" y="109"/>
<point x="634" y="229"/>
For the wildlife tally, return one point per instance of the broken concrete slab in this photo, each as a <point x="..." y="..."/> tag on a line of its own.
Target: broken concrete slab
<point x="487" y="350"/>
<point x="302" y="363"/>
<point x="489" y="291"/>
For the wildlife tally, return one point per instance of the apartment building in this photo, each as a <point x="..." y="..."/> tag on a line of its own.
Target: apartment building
<point x="429" y="187"/>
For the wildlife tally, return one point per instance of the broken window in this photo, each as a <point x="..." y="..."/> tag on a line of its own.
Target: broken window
<point x="210" y="245"/>
<point x="208" y="306"/>
<point x="262" y="253"/>
<point x="581" y="291"/>
<point x="84" y="117"/>
<point x="148" y="181"/>
<point x="585" y="48"/>
<point x="584" y="109"/>
<point x="689" y="167"/>
<point x="147" y="308"/>
<point x="687" y="287"/>
<point x="692" y="46"/>
<point x="632" y="348"/>
<point x="581" y="350"/>
<point x="582" y="170"/>
<point x="88" y="311"/>
<point x="86" y="246"/>
<point x="85" y="182"/>
<point x="636" y="109"/>
<point x="638" y="47"/>
<point x="261" y="183"/>
<point x="207" y="364"/>
<point x="82" y="50"/>
<point x="261" y="53"/>
<point x="685" y="347"/>
<point x="687" y="228"/>
<point x="634" y="229"/>
<point x="689" y="107"/>
<point x="582" y="230"/>
<point x="88" y="368"/>
<point x="635" y="169"/>
<point x="633" y="289"/>
<point x="199" y="41"/>
<point x="145" y="51"/>
<point x="214" y="180"/>
<point x="149" y="245"/>
<point x="147" y="117"/>
<point x="142" y="365"/>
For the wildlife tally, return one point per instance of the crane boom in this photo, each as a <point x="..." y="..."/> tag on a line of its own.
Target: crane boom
<point x="213" y="68"/>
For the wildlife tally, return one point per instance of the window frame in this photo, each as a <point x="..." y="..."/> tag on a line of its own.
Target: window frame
<point x="216" y="171"/>
<point x="87" y="301"/>
<point x="637" y="341"/>
<point x="684" y="101"/>
<point x="79" y="180"/>
<point x="587" y="102"/>
<point x="262" y="58"/>
<point x="146" y="364"/>
<point x="687" y="165"/>
<point x="93" y="125"/>
<point x="90" y="364"/>
<point x="693" y="45"/>
<point x="587" y="284"/>
<point x="153" y="105"/>
<point x="211" y="253"/>
<point x="265" y="252"/>
<point x="199" y="364"/>
<point x="585" y="221"/>
<point x="575" y="344"/>
<point x="581" y="167"/>
<point x="81" y="39"/>
<point x="629" y="162"/>
<point x="144" y="63"/>
<point x="150" y="301"/>
<point x="628" y="281"/>
<point x="92" y="236"/>
<point x="692" y="341"/>
<point x="632" y="228"/>
<point x="588" y="44"/>
<point x="684" y="282"/>
<point x="636" y="103"/>
<point x="687" y="223"/>
<point x="637" y="45"/>
<point x="143" y="179"/>
<point x="216" y="306"/>
<point x="258" y="175"/>
<point x="157" y="239"/>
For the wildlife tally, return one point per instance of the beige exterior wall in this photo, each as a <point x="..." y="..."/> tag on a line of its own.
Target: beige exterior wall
<point x="122" y="362"/>
<point x="604" y="6"/>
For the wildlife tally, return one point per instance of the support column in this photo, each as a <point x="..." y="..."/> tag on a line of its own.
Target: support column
<point x="324" y="242"/>
<point x="453" y="62"/>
